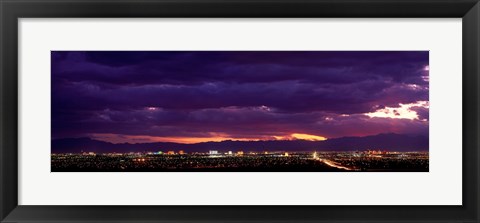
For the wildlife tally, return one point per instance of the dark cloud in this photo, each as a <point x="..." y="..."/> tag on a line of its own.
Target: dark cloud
<point x="242" y="94"/>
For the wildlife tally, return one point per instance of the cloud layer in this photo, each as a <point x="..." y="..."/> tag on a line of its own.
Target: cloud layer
<point x="215" y="95"/>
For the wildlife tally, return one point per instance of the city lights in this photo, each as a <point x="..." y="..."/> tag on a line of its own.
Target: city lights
<point x="214" y="160"/>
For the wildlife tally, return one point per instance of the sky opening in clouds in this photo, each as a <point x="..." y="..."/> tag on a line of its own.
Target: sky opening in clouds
<point x="198" y="96"/>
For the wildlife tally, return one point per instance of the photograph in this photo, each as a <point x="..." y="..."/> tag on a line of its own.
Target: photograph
<point x="239" y="111"/>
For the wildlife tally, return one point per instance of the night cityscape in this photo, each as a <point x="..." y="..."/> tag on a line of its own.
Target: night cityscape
<point x="240" y="111"/>
<point x="372" y="161"/>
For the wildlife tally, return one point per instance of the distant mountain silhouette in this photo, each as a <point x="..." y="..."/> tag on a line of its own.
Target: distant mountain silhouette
<point x="388" y="142"/>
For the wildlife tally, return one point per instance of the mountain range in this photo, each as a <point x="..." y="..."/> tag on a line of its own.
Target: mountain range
<point x="386" y="141"/>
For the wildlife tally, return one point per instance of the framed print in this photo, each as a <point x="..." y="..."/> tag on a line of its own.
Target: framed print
<point x="227" y="111"/>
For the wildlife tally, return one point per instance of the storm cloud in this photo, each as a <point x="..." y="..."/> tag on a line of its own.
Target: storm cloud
<point x="238" y="94"/>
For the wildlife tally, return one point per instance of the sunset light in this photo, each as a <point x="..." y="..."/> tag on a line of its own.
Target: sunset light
<point x="214" y="137"/>
<point x="405" y="111"/>
<point x="308" y="137"/>
<point x="119" y="138"/>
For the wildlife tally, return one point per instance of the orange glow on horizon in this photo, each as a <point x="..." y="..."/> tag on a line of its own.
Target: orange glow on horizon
<point x="301" y="136"/>
<point x="308" y="137"/>
<point x="216" y="137"/>
<point x="118" y="138"/>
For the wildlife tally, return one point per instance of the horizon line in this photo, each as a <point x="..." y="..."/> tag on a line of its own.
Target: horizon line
<point x="236" y="140"/>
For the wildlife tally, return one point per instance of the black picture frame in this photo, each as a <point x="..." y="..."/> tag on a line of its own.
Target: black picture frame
<point x="12" y="10"/>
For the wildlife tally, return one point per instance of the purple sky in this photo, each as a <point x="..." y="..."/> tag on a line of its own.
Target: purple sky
<point x="194" y="96"/>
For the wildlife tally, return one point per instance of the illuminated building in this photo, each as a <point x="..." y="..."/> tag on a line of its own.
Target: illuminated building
<point x="213" y="152"/>
<point x="181" y="152"/>
<point x="240" y="153"/>
<point x="286" y="154"/>
<point x="159" y="153"/>
<point x="230" y="153"/>
<point x="171" y="153"/>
